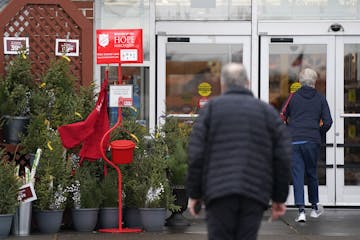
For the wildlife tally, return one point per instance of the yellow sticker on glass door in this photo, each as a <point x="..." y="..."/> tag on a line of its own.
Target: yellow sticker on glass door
<point x="204" y="89"/>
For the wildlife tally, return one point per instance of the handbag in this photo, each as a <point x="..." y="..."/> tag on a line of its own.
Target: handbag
<point x="283" y="110"/>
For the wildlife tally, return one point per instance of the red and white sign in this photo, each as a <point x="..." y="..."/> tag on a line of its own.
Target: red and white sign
<point x="119" y="46"/>
<point x="68" y="47"/>
<point x="123" y="91"/>
<point x="27" y="193"/>
<point x="12" y="45"/>
<point x="203" y="101"/>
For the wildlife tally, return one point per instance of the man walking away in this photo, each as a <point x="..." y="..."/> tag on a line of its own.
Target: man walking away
<point x="239" y="159"/>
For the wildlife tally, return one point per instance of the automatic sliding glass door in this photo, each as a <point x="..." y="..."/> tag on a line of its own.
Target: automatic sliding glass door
<point x="189" y="70"/>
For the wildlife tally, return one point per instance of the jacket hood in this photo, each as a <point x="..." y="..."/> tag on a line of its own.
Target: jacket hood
<point x="307" y="92"/>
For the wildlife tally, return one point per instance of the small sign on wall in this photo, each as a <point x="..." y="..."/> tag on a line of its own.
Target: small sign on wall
<point x="12" y="45"/>
<point x="123" y="91"/>
<point x="68" y="47"/>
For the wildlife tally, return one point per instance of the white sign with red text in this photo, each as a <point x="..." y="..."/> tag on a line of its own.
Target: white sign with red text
<point x="68" y="47"/>
<point x="123" y="91"/>
<point x="27" y="193"/>
<point x="12" y="45"/>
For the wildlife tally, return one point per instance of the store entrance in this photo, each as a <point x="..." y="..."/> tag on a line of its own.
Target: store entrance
<point x="188" y="72"/>
<point x="336" y="60"/>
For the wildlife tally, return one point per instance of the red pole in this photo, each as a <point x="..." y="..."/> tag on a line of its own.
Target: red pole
<point x="118" y="123"/>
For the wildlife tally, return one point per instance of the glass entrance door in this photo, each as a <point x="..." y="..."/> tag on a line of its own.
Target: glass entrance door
<point x="188" y="72"/>
<point x="335" y="59"/>
<point x="282" y="58"/>
<point x="347" y="126"/>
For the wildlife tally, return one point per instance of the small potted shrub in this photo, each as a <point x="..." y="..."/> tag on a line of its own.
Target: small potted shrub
<point x="176" y="135"/>
<point x="158" y="194"/>
<point x="15" y="97"/>
<point x="108" y="215"/>
<point x="9" y="187"/>
<point x="51" y="185"/>
<point x="86" y="196"/>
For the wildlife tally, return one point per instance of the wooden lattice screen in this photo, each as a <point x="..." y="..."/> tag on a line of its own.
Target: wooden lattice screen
<point x="43" y="21"/>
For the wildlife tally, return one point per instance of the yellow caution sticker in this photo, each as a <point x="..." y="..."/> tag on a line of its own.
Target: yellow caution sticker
<point x="352" y="95"/>
<point x="294" y="87"/>
<point x="204" y="89"/>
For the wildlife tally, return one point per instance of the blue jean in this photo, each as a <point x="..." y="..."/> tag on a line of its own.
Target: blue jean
<point x="304" y="160"/>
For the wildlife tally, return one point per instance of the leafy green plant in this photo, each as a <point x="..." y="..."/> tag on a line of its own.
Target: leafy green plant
<point x="9" y="187"/>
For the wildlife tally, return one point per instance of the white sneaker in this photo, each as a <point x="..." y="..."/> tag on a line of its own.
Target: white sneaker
<point x="316" y="213"/>
<point x="301" y="217"/>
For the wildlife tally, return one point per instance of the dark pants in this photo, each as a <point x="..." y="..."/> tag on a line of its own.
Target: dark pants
<point x="304" y="160"/>
<point x="233" y="218"/>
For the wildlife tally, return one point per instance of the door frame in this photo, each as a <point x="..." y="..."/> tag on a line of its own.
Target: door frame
<point x="161" y="61"/>
<point x="326" y="192"/>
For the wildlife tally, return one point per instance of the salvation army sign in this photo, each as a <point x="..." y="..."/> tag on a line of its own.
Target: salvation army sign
<point x="119" y="46"/>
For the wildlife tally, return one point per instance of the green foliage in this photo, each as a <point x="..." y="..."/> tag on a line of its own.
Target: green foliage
<point x="53" y="171"/>
<point x="16" y="89"/>
<point x="154" y="165"/>
<point x="37" y="134"/>
<point x="9" y="187"/>
<point x="109" y="189"/>
<point x="90" y="191"/>
<point x="134" y="188"/>
<point x="59" y="78"/>
<point x="176" y="135"/>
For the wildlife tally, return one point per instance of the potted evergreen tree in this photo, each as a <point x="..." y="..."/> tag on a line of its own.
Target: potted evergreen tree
<point x="108" y="215"/>
<point x="52" y="184"/>
<point x="15" y="97"/>
<point x="86" y="196"/>
<point x="176" y="135"/>
<point x="158" y="194"/>
<point x="9" y="187"/>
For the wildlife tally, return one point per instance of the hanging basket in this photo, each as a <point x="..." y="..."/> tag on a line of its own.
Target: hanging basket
<point x="122" y="151"/>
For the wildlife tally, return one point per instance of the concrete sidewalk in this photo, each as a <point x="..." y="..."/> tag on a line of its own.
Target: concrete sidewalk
<point x="334" y="224"/>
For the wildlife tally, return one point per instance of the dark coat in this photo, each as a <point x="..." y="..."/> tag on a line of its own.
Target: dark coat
<point x="238" y="145"/>
<point x="305" y="110"/>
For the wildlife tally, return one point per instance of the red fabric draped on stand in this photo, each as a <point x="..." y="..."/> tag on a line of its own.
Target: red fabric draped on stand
<point x="90" y="131"/>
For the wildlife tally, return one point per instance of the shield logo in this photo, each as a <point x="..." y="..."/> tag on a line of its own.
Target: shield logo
<point x="104" y="40"/>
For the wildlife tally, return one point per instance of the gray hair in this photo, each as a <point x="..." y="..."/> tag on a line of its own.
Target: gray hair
<point x="234" y="74"/>
<point x="308" y="77"/>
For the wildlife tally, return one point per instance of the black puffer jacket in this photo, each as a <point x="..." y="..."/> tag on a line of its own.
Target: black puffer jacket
<point x="238" y="145"/>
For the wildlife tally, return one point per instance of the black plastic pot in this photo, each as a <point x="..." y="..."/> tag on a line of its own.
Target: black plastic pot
<point x="13" y="127"/>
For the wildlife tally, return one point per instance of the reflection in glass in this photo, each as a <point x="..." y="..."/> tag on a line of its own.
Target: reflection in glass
<point x="285" y="63"/>
<point x="119" y="14"/>
<point x="203" y="9"/>
<point x="193" y="73"/>
<point x="352" y="105"/>
<point x="308" y="9"/>
<point x="139" y="78"/>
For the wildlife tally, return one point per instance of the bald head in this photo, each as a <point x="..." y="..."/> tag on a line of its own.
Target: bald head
<point x="233" y="75"/>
